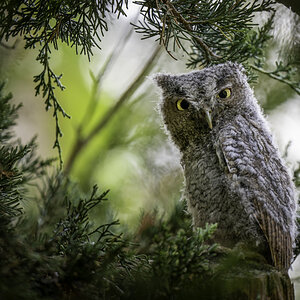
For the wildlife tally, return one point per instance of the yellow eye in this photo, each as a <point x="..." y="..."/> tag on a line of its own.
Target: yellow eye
<point x="182" y="104"/>
<point x="224" y="94"/>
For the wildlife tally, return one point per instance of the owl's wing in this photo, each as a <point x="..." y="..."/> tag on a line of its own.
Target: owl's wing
<point x="255" y="172"/>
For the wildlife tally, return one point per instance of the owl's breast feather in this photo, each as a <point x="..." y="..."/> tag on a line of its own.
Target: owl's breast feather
<point x="261" y="182"/>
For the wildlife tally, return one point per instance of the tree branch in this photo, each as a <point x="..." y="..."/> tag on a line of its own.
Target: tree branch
<point x="81" y="142"/>
<point x="272" y="75"/>
<point x="207" y="51"/>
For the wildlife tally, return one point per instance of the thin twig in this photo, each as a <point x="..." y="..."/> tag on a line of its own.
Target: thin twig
<point x="270" y="74"/>
<point x="81" y="142"/>
<point x="98" y="80"/>
<point x="132" y="88"/>
<point x="10" y="47"/>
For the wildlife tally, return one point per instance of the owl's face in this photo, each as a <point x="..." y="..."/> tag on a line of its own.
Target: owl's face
<point x="196" y="103"/>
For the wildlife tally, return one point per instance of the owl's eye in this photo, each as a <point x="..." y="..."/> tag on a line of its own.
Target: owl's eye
<point x="182" y="104"/>
<point x="224" y="94"/>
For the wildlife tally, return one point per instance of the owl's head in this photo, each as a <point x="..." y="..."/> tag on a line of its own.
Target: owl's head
<point x="196" y="103"/>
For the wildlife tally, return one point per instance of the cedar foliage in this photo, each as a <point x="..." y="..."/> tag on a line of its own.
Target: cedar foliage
<point x="62" y="255"/>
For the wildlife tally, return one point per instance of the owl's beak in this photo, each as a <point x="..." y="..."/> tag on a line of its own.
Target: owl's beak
<point x="208" y="118"/>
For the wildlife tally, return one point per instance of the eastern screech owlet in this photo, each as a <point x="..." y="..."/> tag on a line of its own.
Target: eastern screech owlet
<point x="234" y="175"/>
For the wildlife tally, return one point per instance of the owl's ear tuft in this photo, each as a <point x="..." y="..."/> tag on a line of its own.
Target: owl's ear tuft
<point x="241" y="68"/>
<point x="236" y="66"/>
<point x="162" y="80"/>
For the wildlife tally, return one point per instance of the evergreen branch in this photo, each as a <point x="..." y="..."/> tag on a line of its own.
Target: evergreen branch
<point x="10" y="155"/>
<point x="282" y="73"/>
<point x="45" y="84"/>
<point x="45" y="23"/>
<point x="73" y="230"/>
<point x="81" y="141"/>
<point x="8" y="115"/>
<point x="10" y="180"/>
<point x="213" y="29"/>
<point x="179" y="18"/>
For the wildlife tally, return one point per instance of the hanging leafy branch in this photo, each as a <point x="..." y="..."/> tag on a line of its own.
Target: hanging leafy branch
<point x="212" y="29"/>
<point x="212" y="32"/>
<point x="46" y="82"/>
<point x="44" y="24"/>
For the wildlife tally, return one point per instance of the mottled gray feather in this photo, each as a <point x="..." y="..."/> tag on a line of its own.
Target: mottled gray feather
<point x="234" y="175"/>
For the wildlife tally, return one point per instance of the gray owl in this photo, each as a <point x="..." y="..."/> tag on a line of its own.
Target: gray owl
<point x="233" y="172"/>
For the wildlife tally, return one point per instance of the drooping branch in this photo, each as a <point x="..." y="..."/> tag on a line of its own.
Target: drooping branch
<point x="187" y="25"/>
<point x="209" y="32"/>
<point x="45" y="24"/>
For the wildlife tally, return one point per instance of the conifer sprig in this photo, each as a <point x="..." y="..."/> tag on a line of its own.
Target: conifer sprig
<point x="44" y="24"/>
<point x="284" y="72"/>
<point x="10" y="154"/>
<point x="19" y="164"/>
<point x="212" y="29"/>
